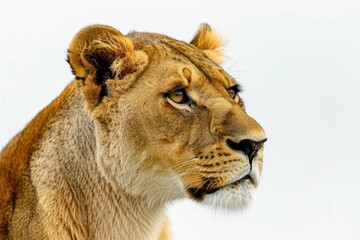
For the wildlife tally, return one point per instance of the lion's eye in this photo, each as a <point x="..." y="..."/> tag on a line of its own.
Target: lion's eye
<point x="178" y="96"/>
<point x="233" y="92"/>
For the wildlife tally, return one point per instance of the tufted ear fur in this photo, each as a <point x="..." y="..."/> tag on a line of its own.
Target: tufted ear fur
<point x="98" y="53"/>
<point x="210" y="42"/>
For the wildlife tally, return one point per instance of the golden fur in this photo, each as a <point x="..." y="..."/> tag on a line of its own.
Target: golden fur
<point x="106" y="156"/>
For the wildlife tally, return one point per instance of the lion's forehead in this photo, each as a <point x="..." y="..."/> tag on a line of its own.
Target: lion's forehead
<point x="183" y="53"/>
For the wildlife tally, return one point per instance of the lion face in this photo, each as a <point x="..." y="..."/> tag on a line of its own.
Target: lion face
<point x="169" y="121"/>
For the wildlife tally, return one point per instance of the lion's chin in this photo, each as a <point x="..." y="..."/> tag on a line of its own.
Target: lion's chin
<point x="233" y="197"/>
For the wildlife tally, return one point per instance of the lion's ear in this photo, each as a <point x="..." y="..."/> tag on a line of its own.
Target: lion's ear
<point x="209" y="42"/>
<point x="98" y="53"/>
<point x="96" y="50"/>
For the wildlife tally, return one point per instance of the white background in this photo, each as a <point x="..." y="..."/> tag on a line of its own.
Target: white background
<point x="299" y="63"/>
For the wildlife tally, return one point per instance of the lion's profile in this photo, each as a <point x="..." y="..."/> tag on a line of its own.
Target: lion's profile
<point x="147" y="120"/>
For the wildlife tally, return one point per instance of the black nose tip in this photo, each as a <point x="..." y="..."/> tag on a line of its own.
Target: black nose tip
<point x="247" y="146"/>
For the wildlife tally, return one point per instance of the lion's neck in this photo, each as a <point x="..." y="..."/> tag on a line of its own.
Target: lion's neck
<point x="79" y="202"/>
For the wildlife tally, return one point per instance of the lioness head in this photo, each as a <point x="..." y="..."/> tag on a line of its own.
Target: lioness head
<point x="169" y="120"/>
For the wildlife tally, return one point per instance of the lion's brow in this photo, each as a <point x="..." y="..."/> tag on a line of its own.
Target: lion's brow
<point x="193" y="57"/>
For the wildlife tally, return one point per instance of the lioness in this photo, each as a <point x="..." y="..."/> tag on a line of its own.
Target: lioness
<point x="147" y="120"/>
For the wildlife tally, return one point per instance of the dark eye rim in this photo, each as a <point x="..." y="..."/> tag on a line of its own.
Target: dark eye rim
<point x="236" y="89"/>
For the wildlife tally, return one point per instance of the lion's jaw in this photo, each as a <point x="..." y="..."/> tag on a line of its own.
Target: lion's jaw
<point x="131" y="171"/>
<point x="238" y="193"/>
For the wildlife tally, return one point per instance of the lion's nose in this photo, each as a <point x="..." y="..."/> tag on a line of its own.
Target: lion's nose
<point x="247" y="146"/>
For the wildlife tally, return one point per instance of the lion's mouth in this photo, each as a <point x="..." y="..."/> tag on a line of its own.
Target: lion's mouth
<point x="198" y="193"/>
<point x="237" y="182"/>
